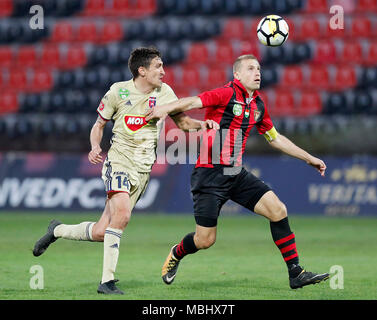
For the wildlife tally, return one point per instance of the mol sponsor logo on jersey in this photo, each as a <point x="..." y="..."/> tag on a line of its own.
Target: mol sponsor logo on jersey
<point x="134" y="123"/>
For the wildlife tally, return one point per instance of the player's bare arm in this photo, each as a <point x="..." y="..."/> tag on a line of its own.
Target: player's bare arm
<point x="285" y="145"/>
<point x="186" y="123"/>
<point x="180" y="105"/>
<point x="96" y="134"/>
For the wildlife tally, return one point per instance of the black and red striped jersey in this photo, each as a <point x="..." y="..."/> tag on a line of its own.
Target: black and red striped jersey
<point x="237" y="114"/>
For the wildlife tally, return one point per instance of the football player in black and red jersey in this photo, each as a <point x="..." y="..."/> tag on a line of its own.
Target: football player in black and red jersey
<point x="219" y="176"/>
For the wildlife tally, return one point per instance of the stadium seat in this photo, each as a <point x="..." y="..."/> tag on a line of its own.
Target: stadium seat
<point x="310" y="103"/>
<point x="62" y="32"/>
<point x="169" y="76"/>
<point x="198" y="53"/>
<point x="190" y="76"/>
<point x="50" y="56"/>
<point x="18" y="79"/>
<point x="335" y="33"/>
<point x="366" y="6"/>
<point x="362" y="102"/>
<point x="9" y="102"/>
<point x="345" y="78"/>
<point x="352" y="52"/>
<point x="27" y="56"/>
<point x="249" y="47"/>
<point x="94" y="7"/>
<point x="316" y="6"/>
<point x="368" y="78"/>
<point x="361" y="27"/>
<point x="6" y="8"/>
<point x="75" y="57"/>
<point x="42" y="80"/>
<point x="6" y="57"/>
<point x="319" y="77"/>
<point x="87" y="32"/>
<point x="292" y="76"/>
<point x="325" y="52"/>
<point x="111" y="31"/>
<point x="310" y="28"/>
<point x="216" y="77"/>
<point x="301" y="52"/>
<point x="30" y="103"/>
<point x="284" y="103"/>
<point x="371" y="56"/>
<point x="224" y="53"/>
<point x="234" y="28"/>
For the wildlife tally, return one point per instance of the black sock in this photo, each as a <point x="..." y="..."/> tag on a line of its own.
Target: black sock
<point x="284" y="239"/>
<point x="186" y="246"/>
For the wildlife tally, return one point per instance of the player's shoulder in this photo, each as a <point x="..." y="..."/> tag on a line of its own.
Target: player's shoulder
<point x="165" y="88"/>
<point x="121" y="85"/>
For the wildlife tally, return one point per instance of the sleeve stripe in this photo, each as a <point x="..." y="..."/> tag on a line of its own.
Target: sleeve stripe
<point x="102" y="117"/>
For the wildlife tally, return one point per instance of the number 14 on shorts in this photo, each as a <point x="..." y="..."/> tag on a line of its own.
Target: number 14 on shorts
<point x="123" y="182"/>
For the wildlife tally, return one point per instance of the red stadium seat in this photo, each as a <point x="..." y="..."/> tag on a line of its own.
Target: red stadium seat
<point x="361" y="28"/>
<point x="111" y="31"/>
<point x="293" y="33"/>
<point x="234" y="28"/>
<point x="292" y="76"/>
<point x="75" y="57"/>
<point x="190" y="76"/>
<point x="9" y="102"/>
<point x="87" y="32"/>
<point x="284" y="103"/>
<point x="42" y="80"/>
<point x="27" y="56"/>
<point x="216" y="76"/>
<point x="310" y="103"/>
<point x="6" y="8"/>
<point x="198" y="53"/>
<point x="18" y="79"/>
<point x="50" y="56"/>
<point x="94" y="7"/>
<point x="249" y="47"/>
<point x="310" y="28"/>
<point x="333" y="33"/>
<point x="352" y="52"/>
<point x="325" y="52"/>
<point x="319" y="77"/>
<point x="371" y="56"/>
<point x="366" y="6"/>
<point x="62" y="32"/>
<point x="169" y="77"/>
<point x="316" y="6"/>
<point x="345" y="78"/>
<point x="6" y="56"/>
<point x="224" y="53"/>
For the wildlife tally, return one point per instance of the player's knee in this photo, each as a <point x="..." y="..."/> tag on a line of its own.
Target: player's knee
<point x="279" y="212"/>
<point x="98" y="233"/>
<point x="204" y="242"/>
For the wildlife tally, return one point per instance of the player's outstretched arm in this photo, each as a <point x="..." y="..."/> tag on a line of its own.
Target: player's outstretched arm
<point x="186" y="123"/>
<point x="96" y="135"/>
<point x="180" y="105"/>
<point x="285" y="145"/>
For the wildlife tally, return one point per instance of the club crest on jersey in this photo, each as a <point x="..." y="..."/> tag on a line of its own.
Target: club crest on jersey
<point x="123" y="93"/>
<point x="152" y="102"/>
<point x="257" y="114"/>
<point x="247" y="113"/>
<point x="237" y="109"/>
<point x="134" y="123"/>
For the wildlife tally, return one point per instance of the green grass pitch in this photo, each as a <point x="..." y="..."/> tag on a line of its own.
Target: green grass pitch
<point x="244" y="263"/>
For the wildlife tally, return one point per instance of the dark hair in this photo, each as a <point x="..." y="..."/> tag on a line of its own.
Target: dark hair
<point x="141" y="57"/>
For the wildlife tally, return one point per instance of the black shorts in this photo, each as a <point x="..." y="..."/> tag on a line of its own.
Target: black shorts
<point x="211" y="188"/>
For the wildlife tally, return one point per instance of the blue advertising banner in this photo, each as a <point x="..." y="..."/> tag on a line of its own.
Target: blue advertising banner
<point x="46" y="181"/>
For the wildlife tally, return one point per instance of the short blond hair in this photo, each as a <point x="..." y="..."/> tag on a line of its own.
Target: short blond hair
<point x="237" y="63"/>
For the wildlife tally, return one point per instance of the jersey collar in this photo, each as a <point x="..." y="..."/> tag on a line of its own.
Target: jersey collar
<point x="243" y="89"/>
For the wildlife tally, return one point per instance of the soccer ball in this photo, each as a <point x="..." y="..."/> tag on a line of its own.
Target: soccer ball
<point x="272" y="31"/>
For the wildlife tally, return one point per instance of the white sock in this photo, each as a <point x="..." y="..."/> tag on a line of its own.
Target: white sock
<point x="82" y="231"/>
<point x="111" y="244"/>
